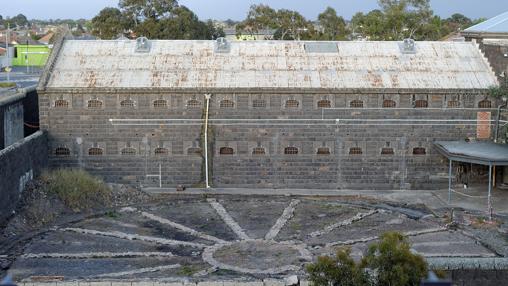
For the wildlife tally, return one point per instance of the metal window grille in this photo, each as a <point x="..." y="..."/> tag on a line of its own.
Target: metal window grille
<point x="160" y="151"/>
<point x="485" y="104"/>
<point x="387" y="151"/>
<point x="160" y="103"/>
<point x="388" y="103"/>
<point x="324" y="103"/>
<point x="128" y="152"/>
<point x="95" y="151"/>
<point x="453" y="104"/>
<point x="292" y="103"/>
<point x="259" y="103"/>
<point x="193" y="104"/>
<point x="355" y="151"/>
<point x="61" y="103"/>
<point x="94" y="104"/>
<point x="62" y="151"/>
<point x="323" y="151"/>
<point x="290" y="150"/>
<point x="419" y="151"/>
<point x="356" y="104"/>
<point x="226" y="151"/>
<point x="258" y="151"/>
<point x="421" y="103"/>
<point x="126" y="103"/>
<point x="227" y="104"/>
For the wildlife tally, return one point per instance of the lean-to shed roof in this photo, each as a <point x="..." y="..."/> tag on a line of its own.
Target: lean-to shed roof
<point x="498" y="24"/>
<point x="270" y="64"/>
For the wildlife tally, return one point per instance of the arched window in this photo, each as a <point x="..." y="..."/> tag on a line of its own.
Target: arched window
<point x="61" y="103"/>
<point x="323" y="151"/>
<point x="290" y="150"/>
<point x="226" y="151"/>
<point x="387" y="151"/>
<point x="161" y="151"/>
<point x="193" y="104"/>
<point x="194" y="151"/>
<point x="128" y="151"/>
<point x="62" y="151"/>
<point x="259" y="103"/>
<point x="453" y="104"/>
<point x="292" y="103"/>
<point x="94" y="104"/>
<point x="94" y="151"/>
<point x="258" y="151"/>
<point x="388" y="103"/>
<point x="160" y="104"/>
<point x="355" y="151"/>
<point x="421" y="103"/>
<point x="356" y="104"/>
<point x="226" y="103"/>
<point x="485" y="104"/>
<point x="419" y="151"/>
<point x="127" y="103"/>
<point x="324" y="103"/>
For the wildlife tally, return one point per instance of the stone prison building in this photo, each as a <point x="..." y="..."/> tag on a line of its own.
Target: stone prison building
<point x="277" y="114"/>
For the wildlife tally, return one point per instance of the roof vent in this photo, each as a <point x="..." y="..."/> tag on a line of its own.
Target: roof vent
<point x="142" y="45"/>
<point x="408" y="46"/>
<point x="222" y="45"/>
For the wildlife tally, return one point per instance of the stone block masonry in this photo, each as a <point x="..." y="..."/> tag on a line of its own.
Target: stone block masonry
<point x="20" y="163"/>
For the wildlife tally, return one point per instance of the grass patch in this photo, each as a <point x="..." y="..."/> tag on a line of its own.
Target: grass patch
<point x="188" y="270"/>
<point x="77" y="189"/>
<point x="6" y="84"/>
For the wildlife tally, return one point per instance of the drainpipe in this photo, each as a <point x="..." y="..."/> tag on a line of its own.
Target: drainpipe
<point x="502" y="106"/>
<point x="207" y="97"/>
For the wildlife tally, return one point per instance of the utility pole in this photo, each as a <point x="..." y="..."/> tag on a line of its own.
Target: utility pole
<point x="7" y="39"/>
<point x="26" y="57"/>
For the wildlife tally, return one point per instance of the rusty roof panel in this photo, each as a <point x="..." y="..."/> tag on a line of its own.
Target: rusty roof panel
<point x="270" y="64"/>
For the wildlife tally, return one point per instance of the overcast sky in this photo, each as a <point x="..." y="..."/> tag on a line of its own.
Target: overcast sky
<point x="237" y="9"/>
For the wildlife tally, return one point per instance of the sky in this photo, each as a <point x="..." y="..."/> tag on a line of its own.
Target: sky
<point x="237" y="9"/>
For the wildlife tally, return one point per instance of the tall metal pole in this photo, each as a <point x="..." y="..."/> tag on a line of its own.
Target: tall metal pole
<point x="7" y="40"/>
<point x="450" y="183"/>
<point x="26" y="57"/>
<point x="490" y="190"/>
<point x="207" y="98"/>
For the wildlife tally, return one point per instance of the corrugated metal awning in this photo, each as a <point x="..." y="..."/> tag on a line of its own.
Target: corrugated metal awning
<point x="483" y="153"/>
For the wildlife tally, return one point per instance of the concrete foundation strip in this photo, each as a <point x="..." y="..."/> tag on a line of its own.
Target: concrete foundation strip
<point x="182" y="227"/>
<point x="221" y="211"/>
<point x="367" y="239"/>
<point x="122" y="235"/>
<point x="139" y="271"/>
<point x="279" y="224"/>
<point x="90" y="255"/>
<point x="357" y="217"/>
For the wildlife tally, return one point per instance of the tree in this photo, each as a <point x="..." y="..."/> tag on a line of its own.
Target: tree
<point x="147" y="10"/>
<point x="371" y="25"/>
<point x="340" y="270"/>
<point x="333" y="26"/>
<point x="394" y="262"/>
<point x="108" y="24"/>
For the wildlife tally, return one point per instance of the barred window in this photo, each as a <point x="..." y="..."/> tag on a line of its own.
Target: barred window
<point x="258" y="151"/>
<point x="160" y="103"/>
<point x="388" y="103"/>
<point x="226" y="151"/>
<point x="324" y="103"/>
<point x="421" y="103"/>
<point x="128" y="151"/>
<point x="323" y="151"/>
<point x="387" y="151"/>
<point x="485" y="104"/>
<point x="419" y="151"/>
<point x="193" y="104"/>
<point x="355" y="151"/>
<point x="61" y="103"/>
<point x="94" y="104"/>
<point x="160" y="151"/>
<point x="194" y="151"/>
<point x="226" y="103"/>
<point x="94" y="151"/>
<point x="62" y="151"/>
<point x="127" y="103"/>
<point x="292" y="103"/>
<point x="290" y="150"/>
<point x="356" y="104"/>
<point x="453" y="104"/>
<point x="259" y="103"/>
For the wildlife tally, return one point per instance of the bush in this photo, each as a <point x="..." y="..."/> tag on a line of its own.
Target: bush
<point x="394" y="263"/>
<point x="340" y="270"/>
<point x="390" y="263"/>
<point x="77" y="189"/>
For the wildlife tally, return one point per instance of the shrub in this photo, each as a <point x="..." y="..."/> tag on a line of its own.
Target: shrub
<point x="340" y="270"/>
<point x="394" y="263"/>
<point x="77" y="189"/>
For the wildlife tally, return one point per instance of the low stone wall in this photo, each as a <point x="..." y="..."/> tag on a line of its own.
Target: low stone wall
<point x="20" y="163"/>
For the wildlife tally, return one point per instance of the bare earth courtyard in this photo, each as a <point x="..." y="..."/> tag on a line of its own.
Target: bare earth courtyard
<point x="231" y="238"/>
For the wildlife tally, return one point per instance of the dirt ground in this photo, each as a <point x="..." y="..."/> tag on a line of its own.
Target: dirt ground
<point x="199" y="237"/>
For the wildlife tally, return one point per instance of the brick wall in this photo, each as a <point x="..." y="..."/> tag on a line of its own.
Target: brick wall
<point x="19" y="163"/>
<point x="128" y="153"/>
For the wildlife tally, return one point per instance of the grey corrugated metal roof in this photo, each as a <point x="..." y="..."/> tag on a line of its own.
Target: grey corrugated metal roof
<point x="270" y="64"/>
<point x="484" y="153"/>
<point x="498" y="24"/>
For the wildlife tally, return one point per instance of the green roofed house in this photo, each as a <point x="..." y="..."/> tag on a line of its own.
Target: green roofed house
<point x="30" y="55"/>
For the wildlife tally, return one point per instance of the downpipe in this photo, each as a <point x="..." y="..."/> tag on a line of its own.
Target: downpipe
<point x="498" y="118"/>
<point x="207" y="98"/>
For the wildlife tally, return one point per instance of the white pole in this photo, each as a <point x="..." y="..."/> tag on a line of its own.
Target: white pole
<point x="7" y="39"/>
<point x="207" y="97"/>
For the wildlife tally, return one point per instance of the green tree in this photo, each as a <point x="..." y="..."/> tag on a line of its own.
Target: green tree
<point x="394" y="262"/>
<point x="371" y="25"/>
<point x="333" y="26"/>
<point x="340" y="270"/>
<point x="108" y="24"/>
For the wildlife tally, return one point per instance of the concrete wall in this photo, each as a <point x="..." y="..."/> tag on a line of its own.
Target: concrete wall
<point x="19" y="163"/>
<point x="12" y="123"/>
<point x="78" y="129"/>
